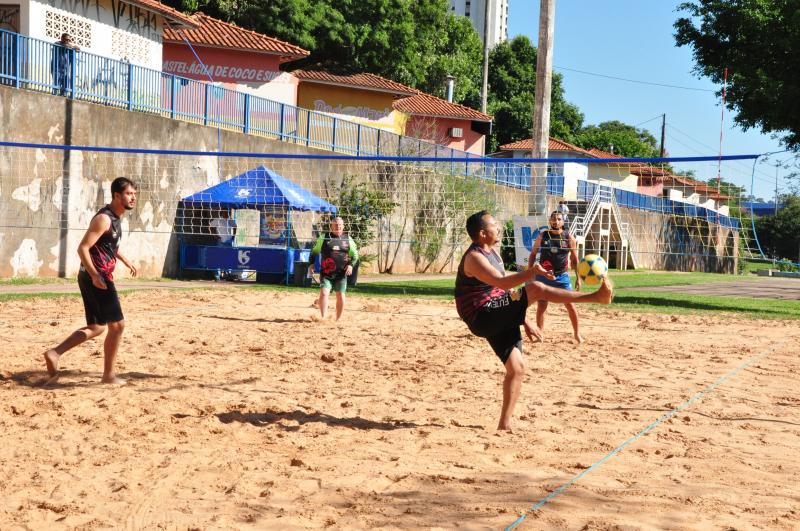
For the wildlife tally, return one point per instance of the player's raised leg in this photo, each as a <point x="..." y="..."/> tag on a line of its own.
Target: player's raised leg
<point x="538" y="291"/>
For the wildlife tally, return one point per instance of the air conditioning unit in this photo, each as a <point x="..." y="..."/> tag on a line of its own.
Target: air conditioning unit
<point x="455" y="132"/>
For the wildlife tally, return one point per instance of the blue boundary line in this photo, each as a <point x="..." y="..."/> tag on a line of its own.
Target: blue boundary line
<point x="697" y="396"/>
<point x="474" y="160"/>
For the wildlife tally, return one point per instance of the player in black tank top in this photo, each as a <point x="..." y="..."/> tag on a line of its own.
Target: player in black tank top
<point x="557" y="251"/>
<point x="99" y="251"/>
<point x="493" y="307"/>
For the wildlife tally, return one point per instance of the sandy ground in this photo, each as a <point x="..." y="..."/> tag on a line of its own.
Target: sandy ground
<point x="245" y="412"/>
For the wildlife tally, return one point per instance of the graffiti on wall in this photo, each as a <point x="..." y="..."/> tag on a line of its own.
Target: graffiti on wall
<point x="124" y="16"/>
<point x="232" y="74"/>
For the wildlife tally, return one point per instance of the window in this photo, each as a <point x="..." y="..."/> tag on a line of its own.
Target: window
<point x="57" y="23"/>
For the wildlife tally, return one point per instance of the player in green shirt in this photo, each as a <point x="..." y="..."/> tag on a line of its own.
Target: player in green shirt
<point x="338" y="255"/>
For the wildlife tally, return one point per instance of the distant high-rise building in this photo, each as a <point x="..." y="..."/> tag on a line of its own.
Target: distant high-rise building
<point x="474" y="10"/>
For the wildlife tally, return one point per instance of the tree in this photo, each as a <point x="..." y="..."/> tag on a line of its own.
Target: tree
<point x="361" y="208"/>
<point x="459" y="54"/>
<point x="415" y="42"/>
<point x="780" y="234"/>
<point x="627" y="140"/>
<point x="757" y="41"/>
<point x="512" y="85"/>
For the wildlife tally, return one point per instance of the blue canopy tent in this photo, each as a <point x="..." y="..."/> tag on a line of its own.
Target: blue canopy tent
<point x="258" y="189"/>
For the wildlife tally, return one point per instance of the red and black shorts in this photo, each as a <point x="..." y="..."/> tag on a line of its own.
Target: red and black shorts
<point x="101" y="305"/>
<point x="498" y="321"/>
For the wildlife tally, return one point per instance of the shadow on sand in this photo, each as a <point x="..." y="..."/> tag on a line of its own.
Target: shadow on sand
<point x="301" y="417"/>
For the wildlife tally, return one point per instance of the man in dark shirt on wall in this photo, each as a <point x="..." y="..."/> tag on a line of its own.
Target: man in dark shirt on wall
<point x="493" y="307"/>
<point x="338" y="255"/>
<point x="63" y="62"/>
<point x="99" y="251"/>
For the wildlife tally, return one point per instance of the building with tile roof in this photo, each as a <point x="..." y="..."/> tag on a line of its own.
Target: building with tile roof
<point x="446" y="123"/>
<point x="237" y="58"/>
<point x="128" y="30"/>
<point x="213" y="33"/>
<point x="379" y="102"/>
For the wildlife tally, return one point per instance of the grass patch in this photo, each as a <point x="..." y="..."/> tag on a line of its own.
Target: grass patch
<point x="626" y="299"/>
<point x="677" y="303"/>
<point x="443" y="288"/>
<point x="28" y="281"/>
<point x="44" y="295"/>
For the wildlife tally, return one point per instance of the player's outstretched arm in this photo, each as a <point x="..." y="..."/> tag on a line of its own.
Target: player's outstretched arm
<point x="476" y="265"/>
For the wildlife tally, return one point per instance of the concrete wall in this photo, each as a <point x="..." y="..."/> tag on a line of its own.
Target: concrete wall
<point x="47" y="197"/>
<point x="677" y="243"/>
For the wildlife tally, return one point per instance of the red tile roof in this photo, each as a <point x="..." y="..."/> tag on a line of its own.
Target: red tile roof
<point x="172" y="15"/>
<point x="553" y="144"/>
<point x="218" y="34"/>
<point x="422" y="104"/>
<point x="363" y="81"/>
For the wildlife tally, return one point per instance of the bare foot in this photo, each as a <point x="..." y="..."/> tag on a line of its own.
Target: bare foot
<point x="113" y="380"/>
<point x="51" y="360"/>
<point x="606" y="292"/>
<point x="578" y="338"/>
<point x="51" y="380"/>
<point x="505" y="427"/>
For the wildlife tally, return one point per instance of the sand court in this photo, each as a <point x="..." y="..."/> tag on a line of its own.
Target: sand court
<point x="245" y="412"/>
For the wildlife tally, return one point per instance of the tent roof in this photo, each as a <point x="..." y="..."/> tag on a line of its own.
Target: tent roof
<point x="258" y="187"/>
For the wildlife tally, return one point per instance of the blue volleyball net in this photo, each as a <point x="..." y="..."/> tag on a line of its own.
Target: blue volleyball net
<point x="406" y="213"/>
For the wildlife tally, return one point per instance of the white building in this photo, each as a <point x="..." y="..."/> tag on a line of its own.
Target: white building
<point x="474" y="10"/>
<point x="129" y="29"/>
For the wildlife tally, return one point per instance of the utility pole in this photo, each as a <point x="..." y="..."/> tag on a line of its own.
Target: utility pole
<point x="663" y="131"/>
<point x="541" y="105"/>
<point x="776" y="188"/>
<point x="485" y="83"/>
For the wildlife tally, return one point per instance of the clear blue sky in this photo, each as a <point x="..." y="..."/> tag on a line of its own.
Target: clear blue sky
<point x="633" y="39"/>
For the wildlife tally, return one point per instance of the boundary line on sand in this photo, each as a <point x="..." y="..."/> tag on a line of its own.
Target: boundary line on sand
<point x="697" y="396"/>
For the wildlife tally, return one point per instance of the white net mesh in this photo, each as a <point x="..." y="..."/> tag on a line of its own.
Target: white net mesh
<point x="405" y="215"/>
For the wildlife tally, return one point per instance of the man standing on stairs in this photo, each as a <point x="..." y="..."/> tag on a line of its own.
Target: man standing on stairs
<point x="558" y="249"/>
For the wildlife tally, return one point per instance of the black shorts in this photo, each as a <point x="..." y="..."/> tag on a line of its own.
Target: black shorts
<point x="499" y="320"/>
<point x="101" y="305"/>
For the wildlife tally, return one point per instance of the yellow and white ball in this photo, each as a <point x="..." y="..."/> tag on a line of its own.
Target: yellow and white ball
<point x="592" y="269"/>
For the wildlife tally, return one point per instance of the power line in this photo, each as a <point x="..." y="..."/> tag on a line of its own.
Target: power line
<point x="690" y="148"/>
<point x="650" y="120"/>
<point x="634" y="80"/>
<point x="687" y="135"/>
